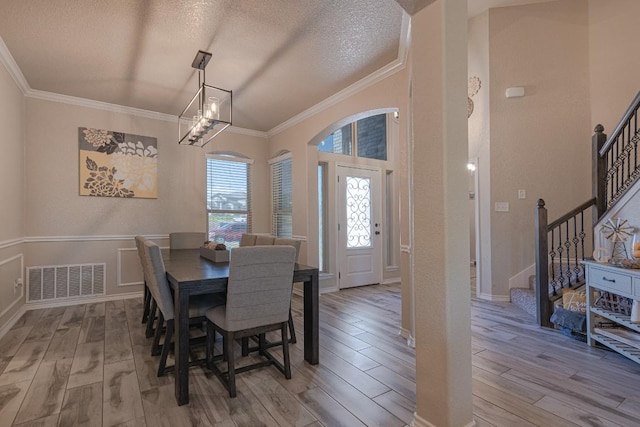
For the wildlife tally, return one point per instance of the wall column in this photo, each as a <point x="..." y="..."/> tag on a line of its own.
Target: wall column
<point x="441" y="229"/>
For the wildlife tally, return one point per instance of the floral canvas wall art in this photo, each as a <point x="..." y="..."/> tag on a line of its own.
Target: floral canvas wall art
<point x="117" y="164"/>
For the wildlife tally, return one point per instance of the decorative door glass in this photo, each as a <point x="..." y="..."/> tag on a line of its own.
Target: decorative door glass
<point x="358" y="212"/>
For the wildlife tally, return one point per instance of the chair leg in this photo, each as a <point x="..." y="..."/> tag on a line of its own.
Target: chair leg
<point x="231" y="369"/>
<point x="245" y="347"/>
<point x="285" y="352"/>
<point x="155" y="347"/>
<point x="152" y="318"/>
<point x="211" y="338"/>
<point x="166" y="347"/>
<point x="147" y="303"/>
<point x="292" y="329"/>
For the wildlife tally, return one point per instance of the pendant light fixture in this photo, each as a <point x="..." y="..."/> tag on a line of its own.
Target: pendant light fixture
<point x="209" y="111"/>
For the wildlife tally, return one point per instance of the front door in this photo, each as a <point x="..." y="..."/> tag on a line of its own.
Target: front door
<point x="359" y="227"/>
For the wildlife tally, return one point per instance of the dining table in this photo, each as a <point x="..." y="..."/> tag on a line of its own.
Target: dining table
<point x="191" y="275"/>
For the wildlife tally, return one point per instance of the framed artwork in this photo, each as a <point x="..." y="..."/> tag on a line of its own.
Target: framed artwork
<point x="117" y="164"/>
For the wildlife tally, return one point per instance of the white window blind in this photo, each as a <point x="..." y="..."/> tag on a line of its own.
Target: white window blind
<point x="281" y="196"/>
<point x="228" y="198"/>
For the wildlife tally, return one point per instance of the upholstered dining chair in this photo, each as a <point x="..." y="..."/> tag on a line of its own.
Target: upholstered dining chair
<point x="258" y="301"/>
<point x="161" y="291"/>
<point x="264" y="240"/>
<point x="296" y="244"/>
<point x="149" y="303"/>
<point x="248" y="239"/>
<point x="187" y="239"/>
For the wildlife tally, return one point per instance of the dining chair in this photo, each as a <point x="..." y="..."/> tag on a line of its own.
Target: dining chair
<point x="258" y="301"/>
<point x="264" y="240"/>
<point x="149" y="304"/>
<point x="248" y="239"/>
<point x="187" y="240"/>
<point x="296" y="244"/>
<point x="161" y="291"/>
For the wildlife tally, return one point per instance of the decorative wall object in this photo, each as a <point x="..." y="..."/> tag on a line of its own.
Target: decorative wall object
<point x="473" y="88"/>
<point x="117" y="164"/>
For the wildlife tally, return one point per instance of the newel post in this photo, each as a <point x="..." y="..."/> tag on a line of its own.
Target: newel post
<point x="599" y="171"/>
<point x="542" y="266"/>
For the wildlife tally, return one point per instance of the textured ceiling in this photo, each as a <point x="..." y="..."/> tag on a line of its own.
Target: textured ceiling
<point x="279" y="57"/>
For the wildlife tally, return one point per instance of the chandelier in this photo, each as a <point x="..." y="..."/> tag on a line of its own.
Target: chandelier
<point x="209" y="111"/>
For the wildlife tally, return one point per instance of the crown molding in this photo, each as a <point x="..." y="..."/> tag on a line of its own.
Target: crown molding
<point x="12" y="68"/>
<point x="99" y="105"/>
<point x="373" y="78"/>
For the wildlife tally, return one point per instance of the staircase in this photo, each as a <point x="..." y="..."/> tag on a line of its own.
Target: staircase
<point x="525" y="298"/>
<point x="562" y="244"/>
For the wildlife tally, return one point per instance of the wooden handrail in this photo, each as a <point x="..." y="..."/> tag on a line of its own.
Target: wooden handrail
<point x="569" y="215"/>
<point x="616" y="132"/>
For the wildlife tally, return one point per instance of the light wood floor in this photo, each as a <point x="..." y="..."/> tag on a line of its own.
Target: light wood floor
<point x="90" y="365"/>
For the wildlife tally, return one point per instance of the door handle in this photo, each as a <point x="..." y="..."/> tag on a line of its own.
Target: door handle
<point x="377" y="232"/>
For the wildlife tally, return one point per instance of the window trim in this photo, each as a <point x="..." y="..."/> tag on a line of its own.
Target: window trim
<point x="279" y="212"/>
<point x="237" y="158"/>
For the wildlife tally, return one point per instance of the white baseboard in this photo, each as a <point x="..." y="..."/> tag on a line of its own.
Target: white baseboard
<point x="418" y="421"/>
<point x="82" y="300"/>
<point x="12" y="321"/>
<point x="495" y="298"/>
<point x="390" y="281"/>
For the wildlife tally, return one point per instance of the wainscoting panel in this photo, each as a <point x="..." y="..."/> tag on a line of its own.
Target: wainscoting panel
<point x="11" y="270"/>
<point x="55" y="282"/>
<point x="129" y="268"/>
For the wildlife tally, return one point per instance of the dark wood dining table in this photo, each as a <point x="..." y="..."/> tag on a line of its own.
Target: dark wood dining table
<point x="189" y="275"/>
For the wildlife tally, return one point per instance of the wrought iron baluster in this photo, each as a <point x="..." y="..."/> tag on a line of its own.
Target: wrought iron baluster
<point x="552" y="256"/>
<point x="560" y="252"/>
<point x="576" y="265"/>
<point x="567" y="245"/>
<point x="582" y="233"/>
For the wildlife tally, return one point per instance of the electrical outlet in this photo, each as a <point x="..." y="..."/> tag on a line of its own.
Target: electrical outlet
<point x="502" y="207"/>
<point x="17" y="284"/>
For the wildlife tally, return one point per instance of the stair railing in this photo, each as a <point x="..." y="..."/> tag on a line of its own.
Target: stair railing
<point x="617" y="166"/>
<point x="561" y="244"/>
<point x="560" y="248"/>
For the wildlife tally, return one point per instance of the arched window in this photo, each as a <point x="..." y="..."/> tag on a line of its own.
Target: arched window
<point x="367" y="137"/>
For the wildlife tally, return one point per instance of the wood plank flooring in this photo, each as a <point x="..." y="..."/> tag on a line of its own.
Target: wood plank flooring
<point x="90" y="365"/>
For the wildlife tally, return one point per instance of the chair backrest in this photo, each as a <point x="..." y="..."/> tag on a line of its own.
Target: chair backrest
<point x="289" y="242"/>
<point x="248" y="239"/>
<point x="140" y="246"/>
<point x="157" y="279"/>
<point x="187" y="240"/>
<point x="264" y="240"/>
<point x="259" y="288"/>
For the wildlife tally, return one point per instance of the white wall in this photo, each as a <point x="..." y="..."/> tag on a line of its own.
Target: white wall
<point x="12" y="191"/>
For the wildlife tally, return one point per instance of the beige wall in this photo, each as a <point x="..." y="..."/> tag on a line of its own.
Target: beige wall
<point x="540" y="142"/>
<point x="65" y="228"/>
<point x="613" y="59"/>
<point x="441" y="234"/>
<point x="480" y="148"/>
<point x="12" y="166"/>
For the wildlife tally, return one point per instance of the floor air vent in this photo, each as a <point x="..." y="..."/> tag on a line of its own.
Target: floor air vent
<point x="65" y="281"/>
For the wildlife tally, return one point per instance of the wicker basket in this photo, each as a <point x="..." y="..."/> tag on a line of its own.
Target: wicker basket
<point x="614" y="303"/>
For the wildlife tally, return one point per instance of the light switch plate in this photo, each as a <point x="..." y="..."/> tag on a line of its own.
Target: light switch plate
<point x="522" y="194"/>
<point x="502" y="207"/>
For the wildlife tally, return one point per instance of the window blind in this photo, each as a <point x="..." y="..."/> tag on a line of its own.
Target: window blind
<point x="228" y="198"/>
<point x="281" y="196"/>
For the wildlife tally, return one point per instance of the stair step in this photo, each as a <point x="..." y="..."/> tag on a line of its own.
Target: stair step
<point x="525" y="299"/>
